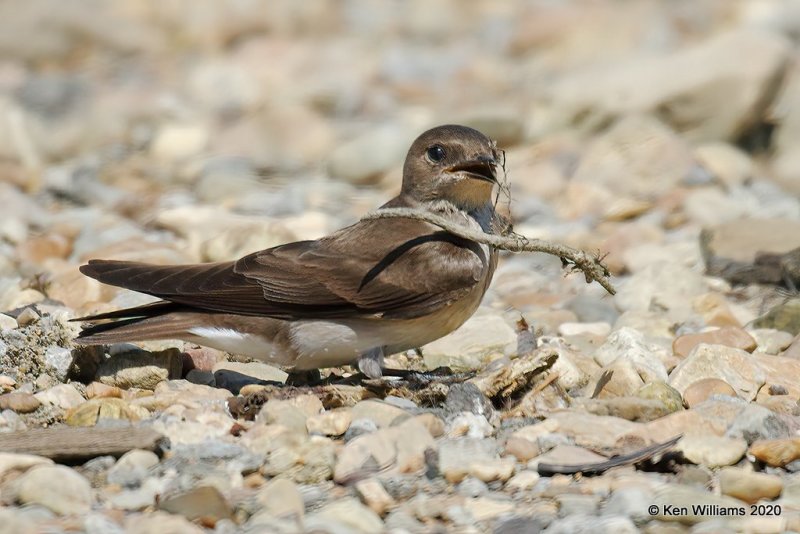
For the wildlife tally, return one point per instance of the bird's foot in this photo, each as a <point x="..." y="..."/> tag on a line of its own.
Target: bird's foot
<point x="310" y="377"/>
<point x="371" y="363"/>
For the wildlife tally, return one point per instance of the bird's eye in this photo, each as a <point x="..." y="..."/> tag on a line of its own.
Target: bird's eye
<point x="435" y="153"/>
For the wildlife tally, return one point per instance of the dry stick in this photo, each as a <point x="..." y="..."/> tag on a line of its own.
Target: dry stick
<point x="591" y="266"/>
<point x="78" y="444"/>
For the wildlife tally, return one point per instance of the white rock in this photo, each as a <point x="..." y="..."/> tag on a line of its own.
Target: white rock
<point x="629" y="344"/>
<point x="457" y="456"/>
<point x="576" y="329"/>
<point x="65" y="396"/>
<point x="719" y="92"/>
<point x="10" y="461"/>
<point x="330" y="423"/>
<point x="58" y="488"/>
<point x="175" y="142"/>
<point x="524" y="480"/>
<point x="771" y="341"/>
<point x="7" y="322"/>
<point x="471" y="346"/>
<point x="667" y="286"/>
<point x="348" y="514"/>
<point x="469" y="425"/>
<point x="734" y="366"/>
<point x="712" y="451"/>
<point x="730" y="165"/>
<point x="132" y="467"/>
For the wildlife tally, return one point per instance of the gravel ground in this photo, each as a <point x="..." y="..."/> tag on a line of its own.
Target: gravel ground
<point x="660" y="133"/>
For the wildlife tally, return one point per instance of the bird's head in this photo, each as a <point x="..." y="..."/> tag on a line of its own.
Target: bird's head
<point x="454" y="163"/>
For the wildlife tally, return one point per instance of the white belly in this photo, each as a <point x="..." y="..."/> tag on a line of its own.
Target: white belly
<point x="233" y="341"/>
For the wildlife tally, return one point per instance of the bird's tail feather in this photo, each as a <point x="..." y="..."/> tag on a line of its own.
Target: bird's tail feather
<point x="159" y="320"/>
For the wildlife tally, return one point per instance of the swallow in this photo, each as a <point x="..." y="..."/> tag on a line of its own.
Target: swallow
<point x="372" y="289"/>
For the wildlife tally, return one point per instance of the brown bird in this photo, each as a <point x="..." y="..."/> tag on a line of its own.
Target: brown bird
<point x="375" y="288"/>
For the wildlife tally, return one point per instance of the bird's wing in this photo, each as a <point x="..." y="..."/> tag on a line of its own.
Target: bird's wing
<point x="399" y="268"/>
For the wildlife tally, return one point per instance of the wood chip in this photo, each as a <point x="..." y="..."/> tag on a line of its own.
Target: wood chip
<point x="76" y="444"/>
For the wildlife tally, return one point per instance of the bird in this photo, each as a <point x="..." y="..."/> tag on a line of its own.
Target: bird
<point x="372" y="289"/>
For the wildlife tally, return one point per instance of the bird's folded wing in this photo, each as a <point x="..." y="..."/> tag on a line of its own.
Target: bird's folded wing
<point x="399" y="269"/>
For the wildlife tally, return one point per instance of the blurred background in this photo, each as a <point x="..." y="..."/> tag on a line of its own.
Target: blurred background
<point x="183" y="131"/>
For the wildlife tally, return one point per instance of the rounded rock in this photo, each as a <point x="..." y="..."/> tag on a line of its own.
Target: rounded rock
<point x="748" y="486"/>
<point x="712" y="451"/>
<point x="702" y="389"/>
<point x="57" y="488"/>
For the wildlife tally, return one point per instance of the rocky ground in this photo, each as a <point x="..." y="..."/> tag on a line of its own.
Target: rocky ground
<point x="661" y="133"/>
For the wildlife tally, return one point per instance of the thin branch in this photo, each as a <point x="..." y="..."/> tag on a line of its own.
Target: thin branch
<point x="591" y="266"/>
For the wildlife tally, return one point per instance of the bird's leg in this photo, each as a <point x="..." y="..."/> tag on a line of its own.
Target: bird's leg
<point x="304" y="378"/>
<point x="371" y="362"/>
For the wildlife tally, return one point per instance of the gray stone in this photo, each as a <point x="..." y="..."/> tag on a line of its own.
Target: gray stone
<point x="233" y="376"/>
<point x="518" y="525"/>
<point x="203" y="378"/>
<point x="590" y="309"/>
<point x="360" y="427"/>
<point x="575" y="504"/>
<point x="636" y="157"/>
<point x="466" y="397"/>
<point x="200" y="502"/>
<point x="365" y="158"/>
<point x="630" y="501"/>
<point x="755" y="422"/>
<point x="472" y="487"/>
<point x="58" y="359"/>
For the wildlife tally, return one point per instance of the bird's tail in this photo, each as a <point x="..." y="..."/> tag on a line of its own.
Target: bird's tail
<point x="158" y="320"/>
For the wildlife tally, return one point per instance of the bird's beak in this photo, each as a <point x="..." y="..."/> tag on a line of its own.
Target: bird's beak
<point x="481" y="168"/>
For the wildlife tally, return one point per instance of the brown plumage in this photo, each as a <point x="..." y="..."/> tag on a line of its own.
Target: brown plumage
<point x="377" y="286"/>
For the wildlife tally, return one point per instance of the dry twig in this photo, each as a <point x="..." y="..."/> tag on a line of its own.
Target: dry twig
<point x="591" y="266"/>
<point x="78" y="444"/>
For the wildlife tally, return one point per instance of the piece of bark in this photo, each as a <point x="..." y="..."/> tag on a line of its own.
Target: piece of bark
<point x="508" y="381"/>
<point x="78" y="444"/>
